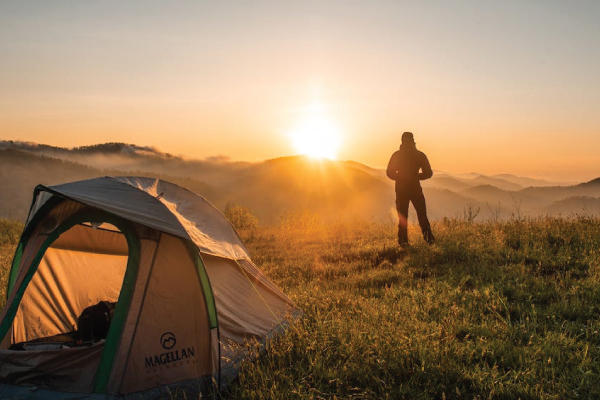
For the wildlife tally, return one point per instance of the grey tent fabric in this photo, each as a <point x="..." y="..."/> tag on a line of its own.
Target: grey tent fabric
<point x="143" y="200"/>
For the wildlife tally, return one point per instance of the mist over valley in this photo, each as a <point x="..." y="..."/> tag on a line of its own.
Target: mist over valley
<point x="271" y="189"/>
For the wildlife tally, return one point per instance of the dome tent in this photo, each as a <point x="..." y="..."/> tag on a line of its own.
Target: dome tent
<point x="184" y="292"/>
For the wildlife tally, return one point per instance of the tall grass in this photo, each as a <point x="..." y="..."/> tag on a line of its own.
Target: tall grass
<point x="494" y="310"/>
<point x="10" y="232"/>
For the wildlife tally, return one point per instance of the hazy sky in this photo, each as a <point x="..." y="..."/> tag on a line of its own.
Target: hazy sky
<point x="487" y="86"/>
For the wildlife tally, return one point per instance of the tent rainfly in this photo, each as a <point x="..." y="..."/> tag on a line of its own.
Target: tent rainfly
<point x="130" y="288"/>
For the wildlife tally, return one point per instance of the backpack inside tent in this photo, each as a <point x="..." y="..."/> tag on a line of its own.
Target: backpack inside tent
<point x="127" y="287"/>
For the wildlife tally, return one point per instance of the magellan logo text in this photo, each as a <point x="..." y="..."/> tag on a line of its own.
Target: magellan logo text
<point x="168" y="342"/>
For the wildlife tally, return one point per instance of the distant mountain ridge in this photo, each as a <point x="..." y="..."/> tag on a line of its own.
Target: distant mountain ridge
<point x="335" y="190"/>
<point x="444" y="180"/>
<point x="112" y="148"/>
<point x="524" y="181"/>
<point x="593" y="182"/>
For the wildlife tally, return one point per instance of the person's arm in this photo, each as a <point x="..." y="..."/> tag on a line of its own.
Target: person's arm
<point x="426" y="171"/>
<point x="392" y="168"/>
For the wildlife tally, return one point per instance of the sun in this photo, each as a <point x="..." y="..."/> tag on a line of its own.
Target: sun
<point x="316" y="136"/>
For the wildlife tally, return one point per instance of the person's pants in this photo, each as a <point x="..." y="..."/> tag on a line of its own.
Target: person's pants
<point x="414" y="195"/>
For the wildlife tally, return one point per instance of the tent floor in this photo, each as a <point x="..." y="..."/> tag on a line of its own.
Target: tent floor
<point x="55" y="342"/>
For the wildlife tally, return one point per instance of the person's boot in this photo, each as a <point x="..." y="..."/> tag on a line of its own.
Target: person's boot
<point x="428" y="236"/>
<point x="402" y="239"/>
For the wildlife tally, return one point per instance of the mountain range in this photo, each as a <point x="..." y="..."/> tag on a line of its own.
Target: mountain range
<point x="333" y="190"/>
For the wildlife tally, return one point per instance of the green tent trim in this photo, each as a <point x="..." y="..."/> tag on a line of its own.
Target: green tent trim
<point x="125" y="296"/>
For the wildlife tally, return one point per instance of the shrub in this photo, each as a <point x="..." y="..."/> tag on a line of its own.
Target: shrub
<point x="240" y="217"/>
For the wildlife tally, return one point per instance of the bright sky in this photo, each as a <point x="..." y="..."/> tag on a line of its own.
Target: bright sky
<point x="508" y="86"/>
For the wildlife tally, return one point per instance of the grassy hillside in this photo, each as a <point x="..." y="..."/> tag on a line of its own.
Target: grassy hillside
<point x="492" y="311"/>
<point x="506" y="310"/>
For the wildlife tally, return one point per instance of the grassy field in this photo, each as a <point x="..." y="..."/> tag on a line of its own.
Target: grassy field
<point x="494" y="310"/>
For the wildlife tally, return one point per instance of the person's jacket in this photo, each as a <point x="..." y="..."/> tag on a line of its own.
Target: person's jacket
<point x="408" y="166"/>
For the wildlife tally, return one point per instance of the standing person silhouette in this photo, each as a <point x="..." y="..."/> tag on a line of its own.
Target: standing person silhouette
<point x="408" y="166"/>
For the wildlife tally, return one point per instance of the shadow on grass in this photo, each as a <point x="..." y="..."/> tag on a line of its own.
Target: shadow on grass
<point x="378" y="256"/>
